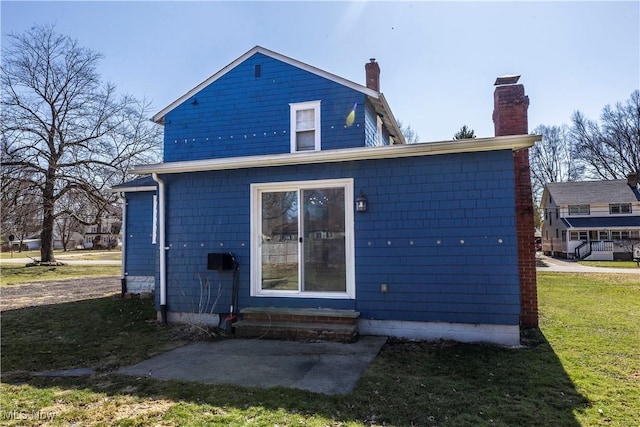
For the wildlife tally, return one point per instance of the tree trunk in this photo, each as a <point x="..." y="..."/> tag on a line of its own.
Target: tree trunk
<point x="46" y="238"/>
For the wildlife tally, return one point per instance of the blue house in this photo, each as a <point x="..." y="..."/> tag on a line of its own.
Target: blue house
<point x="305" y="178"/>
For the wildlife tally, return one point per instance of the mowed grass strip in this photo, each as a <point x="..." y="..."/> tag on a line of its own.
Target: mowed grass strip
<point x="610" y="264"/>
<point x="60" y="255"/>
<point x="16" y="274"/>
<point x="580" y="368"/>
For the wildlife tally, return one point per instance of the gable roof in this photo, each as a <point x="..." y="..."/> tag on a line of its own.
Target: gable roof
<point x="588" y="192"/>
<point x="144" y="183"/>
<point x="376" y="98"/>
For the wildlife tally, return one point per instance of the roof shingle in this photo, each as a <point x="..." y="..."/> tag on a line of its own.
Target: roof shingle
<point x="588" y="192"/>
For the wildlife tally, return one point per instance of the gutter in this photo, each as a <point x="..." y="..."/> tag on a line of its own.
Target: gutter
<point x="515" y="143"/>
<point x="162" y="248"/>
<point x="122" y="190"/>
<point x="123" y="231"/>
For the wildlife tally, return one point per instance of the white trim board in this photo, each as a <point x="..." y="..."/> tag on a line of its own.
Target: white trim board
<point x="517" y="142"/>
<point x="132" y="189"/>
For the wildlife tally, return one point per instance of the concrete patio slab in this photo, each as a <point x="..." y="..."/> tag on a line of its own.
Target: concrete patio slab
<point x="320" y="367"/>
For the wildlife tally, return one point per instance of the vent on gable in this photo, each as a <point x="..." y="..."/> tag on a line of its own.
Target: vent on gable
<point x="257" y="70"/>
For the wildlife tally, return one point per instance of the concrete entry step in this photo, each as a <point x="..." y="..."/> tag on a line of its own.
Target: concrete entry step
<point x="298" y="324"/>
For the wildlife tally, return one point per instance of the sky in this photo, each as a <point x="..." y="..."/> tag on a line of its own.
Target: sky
<point x="438" y="60"/>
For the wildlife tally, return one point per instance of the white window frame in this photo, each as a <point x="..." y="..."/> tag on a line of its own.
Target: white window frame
<point x="620" y="207"/>
<point x="256" y="238"/>
<point x="579" y="210"/>
<point x="582" y="235"/>
<point x="298" y="106"/>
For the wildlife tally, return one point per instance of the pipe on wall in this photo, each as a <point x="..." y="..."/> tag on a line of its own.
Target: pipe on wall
<point x="162" y="247"/>
<point x="123" y="232"/>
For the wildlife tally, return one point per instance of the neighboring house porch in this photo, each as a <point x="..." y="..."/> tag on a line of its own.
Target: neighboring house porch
<point x="595" y="220"/>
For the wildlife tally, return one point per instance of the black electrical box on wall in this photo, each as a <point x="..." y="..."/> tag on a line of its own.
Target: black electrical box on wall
<point x="221" y="261"/>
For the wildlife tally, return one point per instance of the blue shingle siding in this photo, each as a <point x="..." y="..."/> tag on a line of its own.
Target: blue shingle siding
<point x="140" y="255"/>
<point x="439" y="231"/>
<point x="371" y="128"/>
<point x="243" y="115"/>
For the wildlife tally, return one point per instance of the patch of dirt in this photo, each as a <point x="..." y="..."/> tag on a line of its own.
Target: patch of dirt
<point x="58" y="292"/>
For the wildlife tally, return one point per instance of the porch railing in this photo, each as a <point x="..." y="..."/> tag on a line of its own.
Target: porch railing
<point x="602" y="246"/>
<point x="583" y="251"/>
<point x="586" y="248"/>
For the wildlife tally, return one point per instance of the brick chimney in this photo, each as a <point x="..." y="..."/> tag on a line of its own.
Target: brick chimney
<point x="510" y="118"/>
<point x="372" y="70"/>
<point x="510" y="107"/>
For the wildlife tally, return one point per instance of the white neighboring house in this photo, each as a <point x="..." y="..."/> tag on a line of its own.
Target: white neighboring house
<point x="33" y="243"/>
<point x="105" y="234"/>
<point x="597" y="220"/>
<point x="75" y="239"/>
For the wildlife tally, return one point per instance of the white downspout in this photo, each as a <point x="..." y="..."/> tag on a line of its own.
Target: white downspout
<point x="123" y="231"/>
<point x="162" y="247"/>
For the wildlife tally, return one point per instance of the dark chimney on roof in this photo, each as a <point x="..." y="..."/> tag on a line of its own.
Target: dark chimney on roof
<point x="373" y="74"/>
<point x="633" y="179"/>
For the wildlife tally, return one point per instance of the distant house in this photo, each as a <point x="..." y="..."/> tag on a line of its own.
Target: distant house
<point x="75" y="241"/>
<point x="591" y="219"/>
<point x="103" y="235"/>
<point x="30" y="243"/>
<point x="305" y="178"/>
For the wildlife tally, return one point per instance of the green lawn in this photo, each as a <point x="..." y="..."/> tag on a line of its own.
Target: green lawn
<point x="60" y="255"/>
<point x="610" y="264"/>
<point x="581" y="368"/>
<point x="15" y="274"/>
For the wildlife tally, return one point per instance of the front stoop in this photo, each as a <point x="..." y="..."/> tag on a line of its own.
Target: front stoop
<point x="302" y="324"/>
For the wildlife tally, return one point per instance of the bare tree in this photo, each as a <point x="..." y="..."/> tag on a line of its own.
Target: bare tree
<point x="552" y="159"/>
<point x="63" y="129"/>
<point x="20" y="214"/>
<point x="65" y="227"/>
<point x="464" y="133"/>
<point x="409" y="134"/>
<point x="610" y="149"/>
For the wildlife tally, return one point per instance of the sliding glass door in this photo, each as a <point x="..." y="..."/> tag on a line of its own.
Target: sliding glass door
<point x="323" y="240"/>
<point x="303" y="244"/>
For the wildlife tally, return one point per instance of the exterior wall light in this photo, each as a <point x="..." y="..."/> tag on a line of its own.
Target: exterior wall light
<point x="361" y="203"/>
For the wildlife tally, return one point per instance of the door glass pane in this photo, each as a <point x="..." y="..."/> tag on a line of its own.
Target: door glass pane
<point x="280" y="240"/>
<point x="324" y="266"/>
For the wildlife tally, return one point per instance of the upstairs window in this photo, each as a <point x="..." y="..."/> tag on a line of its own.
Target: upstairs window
<point x="579" y="210"/>
<point x="619" y="208"/>
<point x="305" y="126"/>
